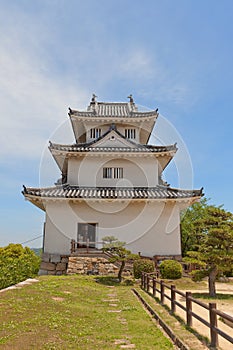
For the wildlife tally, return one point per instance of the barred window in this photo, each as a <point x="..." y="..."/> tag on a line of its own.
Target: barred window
<point x="95" y="133"/>
<point x="112" y="173"/>
<point x="130" y="133"/>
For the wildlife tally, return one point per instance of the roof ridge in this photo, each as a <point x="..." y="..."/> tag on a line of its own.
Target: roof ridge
<point x="124" y="103"/>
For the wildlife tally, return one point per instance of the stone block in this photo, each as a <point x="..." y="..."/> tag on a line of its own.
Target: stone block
<point x="55" y="258"/>
<point x="42" y="272"/>
<point x="61" y="266"/>
<point x="45" y="257"/>
<point x="79" y="266"/>
<point x="81" y="259"/>
<point x="64" y="260"/>
<point x="47" y="266"/>
<point x="52" y="272"/>
<point x="71" y="265"/>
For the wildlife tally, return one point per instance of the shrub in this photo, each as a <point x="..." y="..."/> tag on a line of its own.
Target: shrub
<point x="198" y="275"/>
<point x="171" y="269"/>
<point x="229" y="273"/>
<point x="17" y="264"/>
<point x="142" y="265"/>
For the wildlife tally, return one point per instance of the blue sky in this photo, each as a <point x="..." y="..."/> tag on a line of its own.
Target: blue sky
<point x="174" y="55"/>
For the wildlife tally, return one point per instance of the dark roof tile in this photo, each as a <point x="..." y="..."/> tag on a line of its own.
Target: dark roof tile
<point x="89" y="148"/>
<point x="68" y="191"/>
<point x="112" y="109"/>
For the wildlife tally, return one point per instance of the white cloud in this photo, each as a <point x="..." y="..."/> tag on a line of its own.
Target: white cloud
<point x="32" y="102"/>
<point x="137" y="62"/>
<point x="34" y="97"/>
<point x="152" y="77"/>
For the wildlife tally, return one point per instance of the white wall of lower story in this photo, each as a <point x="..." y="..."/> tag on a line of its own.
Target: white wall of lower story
<point x="150" y="228"/>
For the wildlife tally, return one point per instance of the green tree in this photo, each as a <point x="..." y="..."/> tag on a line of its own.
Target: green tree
<point x="118" y="253"/>
<point x="192" y="226"/>
<point x="17" y="264"/>
<point x="215" y="250"/>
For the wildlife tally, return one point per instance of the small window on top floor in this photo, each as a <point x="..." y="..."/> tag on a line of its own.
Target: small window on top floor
<point x="130" y="133"/>
<point x="95" y="133"/>
<point x="112" y="173"/>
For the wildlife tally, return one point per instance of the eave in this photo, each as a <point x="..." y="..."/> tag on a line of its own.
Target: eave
<point x="91" y="115"/>
<point x="40" y="196"/>
<point x="61" y="153"/>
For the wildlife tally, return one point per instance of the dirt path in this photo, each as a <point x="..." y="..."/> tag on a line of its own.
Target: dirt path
<point x="222" y="305"/>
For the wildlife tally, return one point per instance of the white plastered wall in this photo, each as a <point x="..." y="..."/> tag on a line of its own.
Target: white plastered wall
<point x="88" y="171"/>
<point x="149" y="228"/>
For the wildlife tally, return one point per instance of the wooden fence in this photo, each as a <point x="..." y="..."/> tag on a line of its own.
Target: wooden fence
<point x="150" y="284"/>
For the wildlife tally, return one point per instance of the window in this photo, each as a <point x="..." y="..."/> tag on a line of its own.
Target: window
<point x="112" y="173"/>
<point x="95" y="133"/>
<point x="130" y="133"/>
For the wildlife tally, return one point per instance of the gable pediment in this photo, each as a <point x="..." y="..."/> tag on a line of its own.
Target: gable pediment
<point x="113" y="139"/>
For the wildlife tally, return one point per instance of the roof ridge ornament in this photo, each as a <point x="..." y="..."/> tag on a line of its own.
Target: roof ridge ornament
<point x="93" y="99"/>
<point x="132" y="106"/>
<point x="93" y="104"/>
<point x="131" y="98"/>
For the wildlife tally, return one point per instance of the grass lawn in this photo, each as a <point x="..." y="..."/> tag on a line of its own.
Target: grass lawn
<point x="75" y="312"/>
<point x="186" y="283"/>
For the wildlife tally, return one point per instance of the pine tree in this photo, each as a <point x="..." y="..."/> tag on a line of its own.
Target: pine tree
<point x="214" y="254"/>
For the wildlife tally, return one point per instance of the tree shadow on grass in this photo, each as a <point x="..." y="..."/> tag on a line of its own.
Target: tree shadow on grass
<point x="114" y="281"/>
<point x="108" y="280"/>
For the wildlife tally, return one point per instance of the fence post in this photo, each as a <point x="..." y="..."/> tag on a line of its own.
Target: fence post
<point x="173" y="298"/>
<point x="162" y="292"/>
<point x="148" y="284"/>
<point x="142" y="280"/>
<point x="213" y="325"/>
<point x="145" y="281"/>
<point x="189" y="309"/>
<point x="154" y="286"/>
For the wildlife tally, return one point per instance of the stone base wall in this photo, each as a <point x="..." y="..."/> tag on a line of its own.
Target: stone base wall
<point x="91" y="266"/>
<point x="53" y="264"/>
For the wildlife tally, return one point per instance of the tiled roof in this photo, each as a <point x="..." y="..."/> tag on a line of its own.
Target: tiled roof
<point x="112" y="109"/>
<point x="68" y="191"/>
<point x="87" y="148"/>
